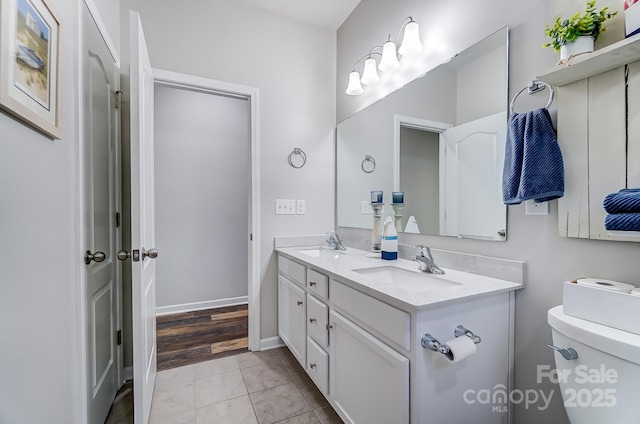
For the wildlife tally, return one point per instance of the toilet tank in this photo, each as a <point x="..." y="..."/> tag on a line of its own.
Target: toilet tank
<point x="601" y="385"/>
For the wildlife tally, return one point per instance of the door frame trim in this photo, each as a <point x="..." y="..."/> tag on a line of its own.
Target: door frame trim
<point x="175" y="79"/>
<point x="82" y="410"/>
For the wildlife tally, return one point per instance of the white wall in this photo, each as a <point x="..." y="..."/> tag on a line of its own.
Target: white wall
<point x="293" y="65"/>
<point x="550" y="259"/>
<point x="39" y="262"/>
<point x="202" y="178"/>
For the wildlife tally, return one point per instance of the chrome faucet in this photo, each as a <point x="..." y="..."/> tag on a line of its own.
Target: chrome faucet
<point x="425" y="259"/>
<point x="334" y="242"/>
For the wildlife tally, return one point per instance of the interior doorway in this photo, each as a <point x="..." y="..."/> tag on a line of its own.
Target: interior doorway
<point x="206" y="196"/>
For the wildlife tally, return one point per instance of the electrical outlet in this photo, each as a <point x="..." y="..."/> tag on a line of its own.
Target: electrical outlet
<point x="533" y="208"/>
<point x="301" y="207"/>
<point x="366" y="208"/>
<point x="285" y="207"/>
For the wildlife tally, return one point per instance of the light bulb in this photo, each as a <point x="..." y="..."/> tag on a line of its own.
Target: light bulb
<point x="370" y="74"/>
<point x="411" y="44"/>
<point x="389" y="61"/>
<point x="354" y="88"/>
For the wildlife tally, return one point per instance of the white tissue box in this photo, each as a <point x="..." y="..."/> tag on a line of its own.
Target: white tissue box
<point x="631" y="17"/>
<point x="606" y="307"/>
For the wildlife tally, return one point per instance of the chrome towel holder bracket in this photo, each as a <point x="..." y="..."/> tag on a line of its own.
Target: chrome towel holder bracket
<point x="298" y="152"/>
<point x="431" y="343"/>
<point x="370" y="168"/>
<point x="533" y="87"/>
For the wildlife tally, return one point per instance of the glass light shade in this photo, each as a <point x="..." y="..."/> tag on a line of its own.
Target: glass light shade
<point x="370" y="74"/>
<point x="389" y="60"/>
<point x="411" y="44"/>
<point x="354" y="88"/>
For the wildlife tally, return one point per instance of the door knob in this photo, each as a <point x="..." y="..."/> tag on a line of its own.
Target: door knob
<point x="96" y="257"/>
<point x="151" y="253"/>
<point x="123" y="255"/>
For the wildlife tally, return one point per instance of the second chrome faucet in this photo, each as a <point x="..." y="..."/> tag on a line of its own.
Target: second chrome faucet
<point x="425" y="260"/>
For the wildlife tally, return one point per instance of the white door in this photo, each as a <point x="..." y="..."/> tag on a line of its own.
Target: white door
<point x="143" y="251"/>
<point x="100" y="83"/>
<point x="474" y="157"/>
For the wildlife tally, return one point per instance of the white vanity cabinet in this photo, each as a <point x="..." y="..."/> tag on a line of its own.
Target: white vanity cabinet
<point x="292" y="299"/>
<point x="363" y="348"/>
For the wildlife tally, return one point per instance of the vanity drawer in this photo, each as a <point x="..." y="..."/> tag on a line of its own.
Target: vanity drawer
<point x="317" y="320"/>
<point x="389" y="321"/>
<point x="318" y="365"/>
<point x="318" y="283"/>
<point x="292" y="270"/>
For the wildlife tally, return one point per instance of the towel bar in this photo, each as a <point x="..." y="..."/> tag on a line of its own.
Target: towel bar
<point x="533" y="87"/>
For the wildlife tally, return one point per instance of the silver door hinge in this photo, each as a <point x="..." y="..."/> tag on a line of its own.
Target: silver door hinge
<point x="118" y="99"/>
<point x="119" y="337"/>
<point x="117" y="219"/>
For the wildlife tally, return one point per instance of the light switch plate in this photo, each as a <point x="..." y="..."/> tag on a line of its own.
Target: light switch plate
<point x="366" y="208"/>
<point x="285" y="207"/>
<point x="301" y="207"/>
<point x="533" y="208"/>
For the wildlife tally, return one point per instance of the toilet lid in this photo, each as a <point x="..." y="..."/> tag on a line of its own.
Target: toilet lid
<point x="610" y="340"/>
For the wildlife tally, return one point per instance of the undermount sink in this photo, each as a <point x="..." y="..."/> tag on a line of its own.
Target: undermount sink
<point x="317" y="251"/>
<point x="411" y="280"/>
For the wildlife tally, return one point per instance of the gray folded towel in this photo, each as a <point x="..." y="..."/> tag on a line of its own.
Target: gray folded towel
<point x="533" y="166"/>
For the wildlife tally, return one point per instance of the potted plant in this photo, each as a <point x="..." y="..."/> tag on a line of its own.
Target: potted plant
<point x="578" y="33"/>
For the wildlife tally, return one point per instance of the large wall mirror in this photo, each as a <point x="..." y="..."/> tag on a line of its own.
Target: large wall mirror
<point x="440" y="140"/>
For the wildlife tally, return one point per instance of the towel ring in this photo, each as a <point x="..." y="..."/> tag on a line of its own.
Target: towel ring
<point x="533" y="87"/>
<point x="300" y="152"/>
<point x="368" y="158"/>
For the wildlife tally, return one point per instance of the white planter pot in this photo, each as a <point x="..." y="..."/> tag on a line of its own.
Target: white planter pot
<point x="573" y="48"/>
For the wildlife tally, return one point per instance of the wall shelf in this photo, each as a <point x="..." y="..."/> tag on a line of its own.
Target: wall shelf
<point x="587" y="65"/>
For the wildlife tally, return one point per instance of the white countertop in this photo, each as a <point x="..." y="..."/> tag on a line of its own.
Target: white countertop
<point x="342" y="266"/>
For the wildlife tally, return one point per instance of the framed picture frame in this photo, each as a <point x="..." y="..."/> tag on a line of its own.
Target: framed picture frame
<point x="30" y="64"/>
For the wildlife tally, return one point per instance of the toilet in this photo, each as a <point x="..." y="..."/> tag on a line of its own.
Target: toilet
<point x="601" y="384"/>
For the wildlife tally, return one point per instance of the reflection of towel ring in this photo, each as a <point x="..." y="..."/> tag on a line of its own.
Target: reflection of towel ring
<point x="533" y="87"/>
<point x="369" y="158"/>
<point x="297" y="151"/>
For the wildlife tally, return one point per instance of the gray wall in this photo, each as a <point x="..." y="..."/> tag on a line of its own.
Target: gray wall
<point x="550" y="259"/>
<point x="203" y="169"/>
<point x="39" y="262"/>
<point x="419" y="178"/>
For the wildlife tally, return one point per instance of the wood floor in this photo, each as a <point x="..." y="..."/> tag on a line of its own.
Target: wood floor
<point x="197" y="336"/>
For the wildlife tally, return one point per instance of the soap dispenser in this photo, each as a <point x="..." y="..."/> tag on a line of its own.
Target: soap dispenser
<point x="389" y="240"/>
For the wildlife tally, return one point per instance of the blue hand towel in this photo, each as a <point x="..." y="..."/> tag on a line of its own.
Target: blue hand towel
<point x="622" y="222"/>
<point x="626" y="200"/>
<point x="533" y="166"/>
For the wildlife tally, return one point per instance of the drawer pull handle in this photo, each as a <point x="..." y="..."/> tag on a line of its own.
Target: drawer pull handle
<point x="312" y="320"/>
<point x="312" y="365"/>
<point x="299" y="302"/>
<point x="312" y="283"/>
<point x="329" y="327"/>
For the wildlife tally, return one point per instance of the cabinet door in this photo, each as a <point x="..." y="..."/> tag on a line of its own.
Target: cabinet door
<point x="369" y="381"/>
<point x="292" y="323"/>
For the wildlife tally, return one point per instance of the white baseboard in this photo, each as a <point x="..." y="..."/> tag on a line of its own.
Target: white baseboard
<point x="197" y="306"/>
<point x="271" y="343"/>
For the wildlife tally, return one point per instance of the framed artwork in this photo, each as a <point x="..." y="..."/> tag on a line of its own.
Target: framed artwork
<point x="30" y="64"/>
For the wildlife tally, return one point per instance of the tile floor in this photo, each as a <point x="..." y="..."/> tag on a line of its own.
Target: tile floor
<point x="254" y="387"/>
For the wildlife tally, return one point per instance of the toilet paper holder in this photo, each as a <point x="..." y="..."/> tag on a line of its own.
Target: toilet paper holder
<point x="431" y="343"/>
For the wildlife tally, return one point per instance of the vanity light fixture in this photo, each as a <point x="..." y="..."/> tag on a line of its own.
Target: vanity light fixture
<point x="411" y="46"/>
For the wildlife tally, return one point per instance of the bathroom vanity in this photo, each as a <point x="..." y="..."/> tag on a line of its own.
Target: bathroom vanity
<point x="355" y="324"/>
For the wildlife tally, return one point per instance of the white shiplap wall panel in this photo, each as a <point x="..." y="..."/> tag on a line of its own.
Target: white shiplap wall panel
<point x="573" y="208"/>
<point x="633" y="126"/>
<point x="607" y="144"/>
